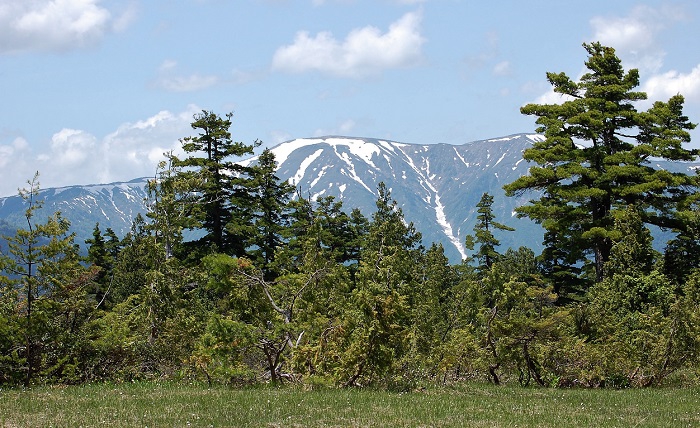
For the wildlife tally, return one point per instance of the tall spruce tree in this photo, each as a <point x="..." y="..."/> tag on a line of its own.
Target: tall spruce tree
<point x="219" y="180"/>
<point x="483" y="231"/>
<point x="595" y="158"/>
<point x="271" y="215"/>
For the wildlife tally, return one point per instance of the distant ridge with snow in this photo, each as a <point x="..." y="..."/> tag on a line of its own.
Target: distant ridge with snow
<point x="437" y="186"/>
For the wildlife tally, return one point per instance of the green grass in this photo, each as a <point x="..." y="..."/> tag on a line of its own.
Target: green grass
<point x="469" y="405"/>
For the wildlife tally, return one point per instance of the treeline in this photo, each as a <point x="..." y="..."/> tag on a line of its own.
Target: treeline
<point x="273" y="286"/>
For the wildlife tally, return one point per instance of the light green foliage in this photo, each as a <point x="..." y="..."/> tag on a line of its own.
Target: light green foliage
<point x="171" y="203"/>
<point x="283" y="289"/>
<point x="518" y="321"/>
<point x="46" y="301"/>
<point x="436" y="315"/>
<point x="641" y="329"/>
<point x="373" y="334"/>
<point x="222" y="350"/>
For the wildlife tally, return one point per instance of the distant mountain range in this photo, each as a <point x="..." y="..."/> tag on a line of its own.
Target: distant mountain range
<point x="437" y="186"/>
<point x="112" y="205"/>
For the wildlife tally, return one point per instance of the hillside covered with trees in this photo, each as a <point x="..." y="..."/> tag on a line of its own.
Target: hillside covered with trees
<point x="280" y="288"/>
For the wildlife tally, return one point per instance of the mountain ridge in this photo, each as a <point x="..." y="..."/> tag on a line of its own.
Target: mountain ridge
<point x="437" y="186"/>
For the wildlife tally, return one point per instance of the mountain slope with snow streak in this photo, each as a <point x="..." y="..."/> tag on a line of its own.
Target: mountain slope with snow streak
<point x="437" y="186"/>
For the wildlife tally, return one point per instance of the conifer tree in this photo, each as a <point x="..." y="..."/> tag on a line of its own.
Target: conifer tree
<point x="42" y="263"/>
<point x="483" y="231"/>
<point x="271" y="215"/>
<point x="221" y="185"/>
<point x="595" y="159"/>
<point x="379" y="315"/>
<point x="682" y="254"/>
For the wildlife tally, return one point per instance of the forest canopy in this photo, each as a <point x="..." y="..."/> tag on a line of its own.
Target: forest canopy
<point x="282" y="288"/>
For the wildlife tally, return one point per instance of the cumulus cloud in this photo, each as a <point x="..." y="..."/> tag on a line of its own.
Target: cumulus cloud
<point x="364" y="52"/>
<point x="55" y="25"/>
<point x="70" y="148"/>
<point x="77" y="157"/>
<point x="134" y="149"/>
<point x="551" y="97"/>
<point x="634" y="36"/>
<point x="13" y="153"/>
<point x="666" y="85"/>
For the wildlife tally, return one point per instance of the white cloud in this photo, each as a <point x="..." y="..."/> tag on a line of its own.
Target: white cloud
<point x="364" y="52"/>
<point x="134" y="149"/>
<point x="345" y="127"/>
<point x="503" y="68"/>
<point x="53" y="25"/>
<point x="70" y="148"/>
<point x="78" y="157"/>
<point x="13" y="154"/>
<point x="193" y="82"/>
<point x="551" y="97"/>
<point x="170" y="81"/>
<point x="666" y="85"/>
<point x="634" y="36"/>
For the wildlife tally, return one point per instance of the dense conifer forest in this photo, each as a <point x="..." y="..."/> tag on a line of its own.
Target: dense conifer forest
<point x="280" y="288"/>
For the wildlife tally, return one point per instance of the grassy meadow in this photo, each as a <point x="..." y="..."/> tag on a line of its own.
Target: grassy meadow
<point x="471" y="405"/>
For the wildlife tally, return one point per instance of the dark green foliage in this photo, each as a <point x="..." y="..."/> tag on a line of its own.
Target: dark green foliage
<point x="220" y="185"/>
<point x="103" y="256"/>
<point x="271" y="216"/>
<point x="486" y="255"/>
<point x="595" y="159"/>
<point x="682" y="254"/>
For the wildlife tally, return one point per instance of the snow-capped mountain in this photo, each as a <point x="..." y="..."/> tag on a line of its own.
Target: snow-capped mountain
<point x="437" y="186"/>
<point x="112" y="205"/>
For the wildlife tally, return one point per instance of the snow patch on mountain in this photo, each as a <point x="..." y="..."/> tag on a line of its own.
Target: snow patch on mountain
<point x="387" y="145"/>
<point x="500" y="159"/>
<point x="320" y="176"/>
<point x="283" y="151"/>
<point x="512" y="137"/>
<point x="360" y="148"/>
<point x="447" y="227"/>
<point x="296" y="179"/>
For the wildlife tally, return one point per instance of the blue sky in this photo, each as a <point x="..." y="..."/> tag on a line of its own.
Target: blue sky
<point x="95" y="91"/>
